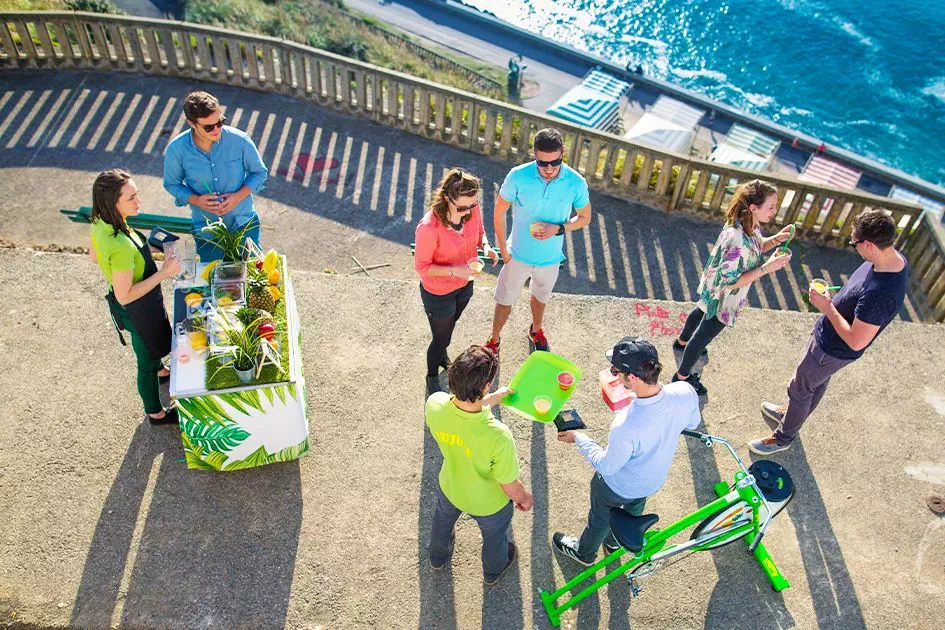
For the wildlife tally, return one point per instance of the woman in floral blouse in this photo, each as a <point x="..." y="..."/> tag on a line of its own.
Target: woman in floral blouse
<point x="733" y="266"/>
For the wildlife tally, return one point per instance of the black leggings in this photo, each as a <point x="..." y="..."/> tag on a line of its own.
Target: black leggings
<point x="443" y="312"/>
<point x="698" y="332"/>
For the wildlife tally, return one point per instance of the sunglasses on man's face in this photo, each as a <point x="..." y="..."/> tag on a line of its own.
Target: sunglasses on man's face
<point x="547" y="163"/>
<point x="217" y="125"/>
<point x="853" y="243"/>
<point x="614" y="371"/>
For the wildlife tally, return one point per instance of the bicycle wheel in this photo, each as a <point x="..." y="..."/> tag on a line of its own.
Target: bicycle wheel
<point x="775" y="484"/>
<point x="721" y="520"/>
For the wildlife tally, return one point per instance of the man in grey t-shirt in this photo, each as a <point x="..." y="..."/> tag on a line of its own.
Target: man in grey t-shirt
<point x="640" y="448"/>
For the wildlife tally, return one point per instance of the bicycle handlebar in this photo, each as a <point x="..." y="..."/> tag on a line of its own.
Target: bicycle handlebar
<point x="709" y="439"/>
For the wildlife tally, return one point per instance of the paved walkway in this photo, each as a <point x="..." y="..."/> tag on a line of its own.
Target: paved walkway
<point x="339" y="187"/>
<point x="103" y="526"/>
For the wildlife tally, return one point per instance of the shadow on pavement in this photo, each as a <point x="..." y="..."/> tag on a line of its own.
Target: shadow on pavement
<point x="367" y="177"/>
<point x="542" y="573"/>
<point x="831" y="588"/>
<point x="742" y="597"/>
<point x="214" y="549"/>
<point x="437" y="604"/>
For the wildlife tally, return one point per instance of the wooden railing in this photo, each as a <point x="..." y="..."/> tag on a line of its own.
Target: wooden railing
<point x="925" y="249"/>
<point x="675" y="182"/>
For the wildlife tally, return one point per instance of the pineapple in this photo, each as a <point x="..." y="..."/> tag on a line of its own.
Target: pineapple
<point x="249" y="315"/>
<point x="259" y="295"/>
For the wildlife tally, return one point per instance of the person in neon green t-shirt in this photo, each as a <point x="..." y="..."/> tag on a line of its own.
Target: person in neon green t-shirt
<point x="134" y="284"/>
<point x="479" y="474"/>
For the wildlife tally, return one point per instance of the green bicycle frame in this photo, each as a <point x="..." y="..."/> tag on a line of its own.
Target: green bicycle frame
<point x="655" y="540"/>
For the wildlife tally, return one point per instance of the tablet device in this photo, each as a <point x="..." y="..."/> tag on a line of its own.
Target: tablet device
<point x="159" y="236"/>
<point x="569" y="420"/>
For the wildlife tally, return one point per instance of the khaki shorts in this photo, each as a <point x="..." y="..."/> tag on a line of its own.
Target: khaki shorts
<point x="512" y="280"/>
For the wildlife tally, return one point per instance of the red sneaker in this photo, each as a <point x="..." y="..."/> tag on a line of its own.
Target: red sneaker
<point x="493" y="345"/>
<point x="538" y="339"/>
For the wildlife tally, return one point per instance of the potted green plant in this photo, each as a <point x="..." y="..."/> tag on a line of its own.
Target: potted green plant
<point x="242" y="343"/>
<point x="232" y="244"/>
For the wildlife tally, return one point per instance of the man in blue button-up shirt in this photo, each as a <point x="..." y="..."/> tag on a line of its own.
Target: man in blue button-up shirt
<point x="215" y="169"/>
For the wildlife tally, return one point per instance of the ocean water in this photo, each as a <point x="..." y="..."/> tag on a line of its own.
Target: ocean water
<point x="866" y="75"/>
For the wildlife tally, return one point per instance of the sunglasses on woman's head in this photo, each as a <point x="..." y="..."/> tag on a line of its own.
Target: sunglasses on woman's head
<point x="217" y="125"/>
<point x="547" y="163"/>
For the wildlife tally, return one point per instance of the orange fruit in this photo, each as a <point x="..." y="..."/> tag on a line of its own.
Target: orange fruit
<point x="276" y="294"/>
<point x="274" y="278"/>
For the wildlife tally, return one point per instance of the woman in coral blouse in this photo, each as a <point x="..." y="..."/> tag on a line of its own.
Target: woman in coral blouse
<point x="446" y="258"/>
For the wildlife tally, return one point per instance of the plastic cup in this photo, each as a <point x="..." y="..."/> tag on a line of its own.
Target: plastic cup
<point x="542" y="405"/>
<point x="170" y="250"/>
<point x="476" y="265"/>
<point x="535" y="228"/>
<point x="565" y="380"/>
<point x="819" y="285"/>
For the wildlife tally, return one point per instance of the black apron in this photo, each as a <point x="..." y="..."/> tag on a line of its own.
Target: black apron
<point x="147" y="313"/>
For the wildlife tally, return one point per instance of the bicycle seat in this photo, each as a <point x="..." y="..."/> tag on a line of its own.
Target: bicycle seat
<point x="629" y="529"/>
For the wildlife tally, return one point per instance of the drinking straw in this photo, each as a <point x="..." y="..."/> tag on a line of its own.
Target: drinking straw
<point x="784" y="245"/>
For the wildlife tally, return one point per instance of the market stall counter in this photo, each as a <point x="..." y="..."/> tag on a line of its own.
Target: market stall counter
<point x="229" y="316"/>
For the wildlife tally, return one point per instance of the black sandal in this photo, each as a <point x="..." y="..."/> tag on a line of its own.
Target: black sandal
<point x="170" y="417"/>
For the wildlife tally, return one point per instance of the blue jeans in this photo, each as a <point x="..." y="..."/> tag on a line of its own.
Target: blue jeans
<point x="494" y="529"/>
<point x="603" y="500"/>
<point x="207" y="251"/>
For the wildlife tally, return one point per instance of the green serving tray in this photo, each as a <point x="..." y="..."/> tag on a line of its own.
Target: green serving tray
<point x="538" y="376"/>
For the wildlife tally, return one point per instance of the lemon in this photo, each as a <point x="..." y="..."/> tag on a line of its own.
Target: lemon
<point x="271" y="261"/>
<point x="224" y="301"/>
<point x="209" y="270"/>
<point x="198" y="340"/>
<point x="193" y="299"/>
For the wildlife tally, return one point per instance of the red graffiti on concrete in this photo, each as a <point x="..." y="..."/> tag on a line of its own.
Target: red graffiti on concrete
<point x="657" y="327"/>
<point x="658" y="316"/>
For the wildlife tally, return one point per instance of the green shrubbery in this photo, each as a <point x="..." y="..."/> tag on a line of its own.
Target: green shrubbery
<point x="326" y="25"/>
<point x="93" y="6"/>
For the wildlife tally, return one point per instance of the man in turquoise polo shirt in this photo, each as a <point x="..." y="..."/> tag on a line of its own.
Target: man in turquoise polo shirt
<point x="542" y="194"/>
<point x="479" y="475"/>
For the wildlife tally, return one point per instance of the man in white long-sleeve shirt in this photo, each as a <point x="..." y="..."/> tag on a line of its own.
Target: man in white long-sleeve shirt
<point x="640" y="448"/>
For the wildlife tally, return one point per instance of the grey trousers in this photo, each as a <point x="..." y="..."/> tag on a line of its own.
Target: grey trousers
<point x="603" y="500"/>
<point x="806" y="389"/>
<point x="494" y="529"/>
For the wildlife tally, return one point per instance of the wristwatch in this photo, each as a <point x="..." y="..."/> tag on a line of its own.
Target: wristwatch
<point x="560" y="231"/>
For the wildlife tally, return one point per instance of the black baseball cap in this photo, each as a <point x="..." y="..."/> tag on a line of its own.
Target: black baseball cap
<point x="631" y="353"/>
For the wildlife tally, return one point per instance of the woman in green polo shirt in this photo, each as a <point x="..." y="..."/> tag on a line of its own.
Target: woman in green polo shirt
<point x="134" y="282"/>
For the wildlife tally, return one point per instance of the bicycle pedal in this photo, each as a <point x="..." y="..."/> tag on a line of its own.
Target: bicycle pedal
<point x="635" y="589"/>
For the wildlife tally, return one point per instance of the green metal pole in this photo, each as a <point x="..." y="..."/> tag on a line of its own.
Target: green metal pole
<point x="778" y="581"/>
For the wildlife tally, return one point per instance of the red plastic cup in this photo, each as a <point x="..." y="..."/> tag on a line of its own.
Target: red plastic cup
<point x="565" y="380"/>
